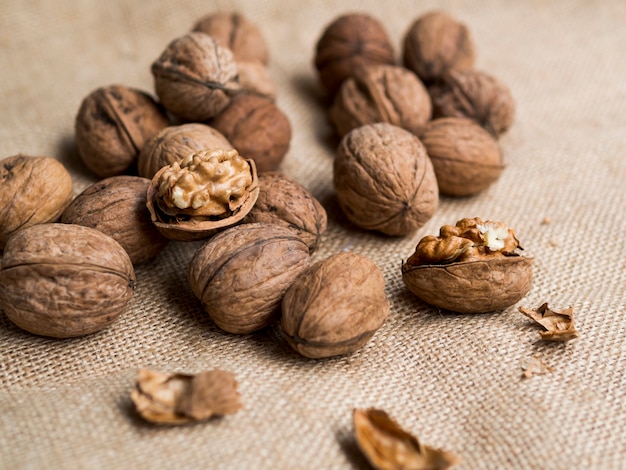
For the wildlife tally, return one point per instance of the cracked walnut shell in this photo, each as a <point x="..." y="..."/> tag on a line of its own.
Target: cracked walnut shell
<point x="471" y="267"/>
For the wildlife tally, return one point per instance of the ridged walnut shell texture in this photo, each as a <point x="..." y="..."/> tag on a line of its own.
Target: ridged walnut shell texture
<point x="112" y="126"/>
<point x="384" y="179"/>
<point x="283" y="201"/>
<point x="436" y="43"/>
<point x="473" y="286"/>
<point x="174" y="143"/>
<point x="116" y="206"/>
<point x="64" y="280"/>
<point x="381" y="93"/>
<point x="466" y="158"/>
<point x="350" y="41"/>
<point x="241" y="274"/>
<point x="195" y="77"/>
<point x="335" y="307"/>
<point x="475" y="95"/>
<point x="33" y="190"/>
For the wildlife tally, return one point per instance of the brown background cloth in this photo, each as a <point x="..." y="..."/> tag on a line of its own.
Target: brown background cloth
<point x="453" y="380"/>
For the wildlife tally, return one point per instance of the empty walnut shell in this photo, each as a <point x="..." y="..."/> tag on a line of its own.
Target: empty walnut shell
<point x="257" y="128"/>
<point x="284" y="201"/>
<point x="474" y="95"/>
<point x="384" y="179"/>
<point x="350" y="41"/>
<point x="116" y="206"/>
<point x="174" y="143"/>
<point x="203" y="194"/>
<point x="64" y="280"/>
<point x="241" y="274"/>
<point x="381" y="93"/>
<point x="466" y="158"/>
<point x="112" y="126"/>
<point x="436" y="43"/>
<point x="335" y="306"/>
<point x="35" y="190"/>
<point x="195" y="77"/>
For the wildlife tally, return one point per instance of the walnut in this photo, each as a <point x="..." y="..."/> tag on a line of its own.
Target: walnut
<point x="64" y="280"/>
<point x="185" y="398"/>
<point x="35" y="190"/>
<point x="350" y="41"/>
<point x="257" y="128"/>
<point x="472" y="267"/>
<point x="112" y="126"/>
<point x="335" y="307"/>
<point x="204" y="193"/>
<point x="474" y="95"/>
<point x="195" y="77"/>
<point x="174" y="143"/>
<point x="466" y="158"/>
<point x="255" y="77"/>
<point x="241" y="274"/>
<point x="116" y="206"/>
<point x="384" y="179"/>
<point x="387" y="446"/>
<point x="558" y="326"/>
<point x="381" y="93"/>
<point x="284" y="201"/>
<point x="436" y="43"/>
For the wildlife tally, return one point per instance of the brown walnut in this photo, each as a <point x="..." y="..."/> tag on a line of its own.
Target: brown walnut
<point x="284" y="201"/>
<point x="474" y="95"/>
<point x="384" y="179"/>
<point x="241" y="274"/>
<point x="116" y="206"/>
<point x="381" y="93"/>
<point x="350" y="41"/>
<point x="436" y="43"/>
<point x="33" y="190"/>
<point x="64" y="280"/>
<point x="203" y="194"/>
<point x="257" y="128"/>
<point x="195" y="77"/>
<point x="466" y="158"/>
<point x="174" y="143"/>
<point x="335" y="306"/>
<point x="471" y="267"/>
<point x="255" y="77"/>
<point x="112" y="126"/>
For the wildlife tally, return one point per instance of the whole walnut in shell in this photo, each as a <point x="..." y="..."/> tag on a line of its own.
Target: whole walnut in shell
<point x="350" y="41"/>
<point x="203" y="194"/>
<point x="284" y="201"/>
<point x="381" y="93"/>
<point x="112" y="126"/>
<point x="174" y="143"/>
<point x="384" y="179"/>
<point x="242" y="273"/>
<point x="64" y="280"/>
<point x="335" y="306"/>
<point x="436" y="43"/>
<point x="257" y="128"/>
<point x="116" y="206"/>
<point x="255" y="77"/>
<point x="466" y="158"/>
<point x="475" y="95"/>
<point x="33" y="190"/>
<point x="195" y="77"/>
<point x="471" y="267"/>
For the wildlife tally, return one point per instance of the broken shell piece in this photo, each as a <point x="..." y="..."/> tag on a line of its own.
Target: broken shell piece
<point x="559" y="326"/>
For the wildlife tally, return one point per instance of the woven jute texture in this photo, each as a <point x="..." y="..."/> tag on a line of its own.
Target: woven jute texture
<point x="453" y="380"/>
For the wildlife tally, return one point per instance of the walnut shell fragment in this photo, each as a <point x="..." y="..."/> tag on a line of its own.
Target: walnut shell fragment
<point x="559" y="326"/>
<point x="183" y="398"/>
<point x="241" y="274"/>
<point x="471" y="267"/>
<point x="389" y="447"/>
<point x="335" y="307"/>
<point x="203" y="194"/>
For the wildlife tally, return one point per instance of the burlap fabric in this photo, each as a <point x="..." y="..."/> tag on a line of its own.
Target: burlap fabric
<point x="453" y="380"/>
